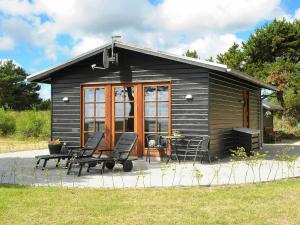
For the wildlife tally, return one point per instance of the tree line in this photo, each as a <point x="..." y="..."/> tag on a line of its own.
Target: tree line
<point x="15" y="92"/>
<point x="271" y="54"/>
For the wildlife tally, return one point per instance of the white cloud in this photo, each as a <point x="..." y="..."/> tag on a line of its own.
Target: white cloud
<point x="86" y="44"/>
<point x="6" y="43"/>
<point x="218" y="16"/>
<point x="207" y="24"/>
<point x="297" y="14"/>
<point x="210" y="45"/>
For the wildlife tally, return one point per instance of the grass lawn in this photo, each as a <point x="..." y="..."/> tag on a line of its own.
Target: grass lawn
<point x="270" y="203"/>
<point x="13" y="144"/>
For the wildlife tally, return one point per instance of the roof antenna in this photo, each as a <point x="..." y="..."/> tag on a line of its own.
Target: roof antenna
<point x="106" y="59"/>
<point x="114" y="56"/>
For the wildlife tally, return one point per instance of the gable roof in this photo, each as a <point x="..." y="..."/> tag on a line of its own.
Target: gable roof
<point x="196" y="62"/>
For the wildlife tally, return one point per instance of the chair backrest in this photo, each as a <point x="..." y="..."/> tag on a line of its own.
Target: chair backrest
<point x="199" y="143"/>
<point x="124" y="146"/>
<point x="153" y="140"/>
<point x="92" y="143"/>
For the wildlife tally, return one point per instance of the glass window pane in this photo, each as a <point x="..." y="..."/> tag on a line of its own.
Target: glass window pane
<point x="89" y="110"/>
<point x="100" y="95"/>
<point x="129" y="94"/>
<point x="86" y="136"/>
<point x="119" y="109"/>
<point x="150" y="109"/>
<point x="152" y="139"/>
<point x="89" y="124"/>
<point x="117" y="136"/>
<point x="100" y="110"/>
<point x="129" y="124"/>
<point x="163" y="109"/>
<point x="129" y="111"/>
<point x="88" y="95"/>
<point x="150" y="125"/>
<point x="162" y="93"/>
<point x="150" y="93"/>
<point x="119" y="92"/>
<point x="100" y="124"/>
<point x="163" y="124"/>
<point x="119" y="124"/>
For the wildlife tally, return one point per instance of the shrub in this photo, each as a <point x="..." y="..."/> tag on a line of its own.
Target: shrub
<point x="31" y="124"/>
<point x="7" y="123"/>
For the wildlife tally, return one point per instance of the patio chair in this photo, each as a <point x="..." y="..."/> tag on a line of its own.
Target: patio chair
<point x="73" y="151"/>
<point x="120" y="155"/>
<point x="198" y="147"/>
<point x="154" y="142"/>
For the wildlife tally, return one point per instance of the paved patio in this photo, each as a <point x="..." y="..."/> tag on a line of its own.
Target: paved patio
<point x="18" y="168"/>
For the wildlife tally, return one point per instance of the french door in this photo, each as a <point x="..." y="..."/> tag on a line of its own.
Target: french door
<point x="118" y="108"/>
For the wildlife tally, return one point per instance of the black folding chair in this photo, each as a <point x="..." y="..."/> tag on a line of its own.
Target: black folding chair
<point x="73" y="151"/>
<point x="198" y="147"/>
<point x="120" y="155"/>
<point x="155" y="142"/>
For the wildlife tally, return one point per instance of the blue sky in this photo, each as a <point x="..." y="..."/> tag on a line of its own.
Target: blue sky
<point x="42" y="33"/>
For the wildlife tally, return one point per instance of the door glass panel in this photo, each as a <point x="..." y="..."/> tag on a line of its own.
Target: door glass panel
<point x="162" y="93"/>
<point x="162" y="125"/>
<point x="119" y="109"/>
<point x="100" y="97"/>
<point x="129" y="94"/>
<point x="163" y="108"/>
<point x="117" y="136"/>
<point x="100" y="109"/>
<point x="150" y="109"/>
<point x="156" y="110"/>
<point x="86" y="136"/>
<point x="119" y="94"/>
<point x="88" y="95"/>
<point x="129" y="109"/>
<point x="119" y="124"/>
<point x="89" y="124"/>
<point x="150" y="93"/>
<point x="94" y="113"/>
<point x="150" y="125"/>
<point x="100" y="124"/>
<point x="129" y="124"/>
<point x="89" y="110"/>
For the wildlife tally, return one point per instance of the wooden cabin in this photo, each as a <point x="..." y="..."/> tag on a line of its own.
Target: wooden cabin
<point x="148" y="91"/>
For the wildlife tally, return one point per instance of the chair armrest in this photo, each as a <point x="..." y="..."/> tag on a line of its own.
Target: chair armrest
<point x="105" y="150"/>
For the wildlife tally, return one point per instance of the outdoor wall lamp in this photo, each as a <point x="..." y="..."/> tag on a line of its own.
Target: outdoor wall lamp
<point x="65" y="99"/>
<point x="189" y="97"/>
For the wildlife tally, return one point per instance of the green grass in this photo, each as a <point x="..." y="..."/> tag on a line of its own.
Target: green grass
<point x="261" y="204"/>
<point x="25" y="124"/>
<point x="14" y="144"/>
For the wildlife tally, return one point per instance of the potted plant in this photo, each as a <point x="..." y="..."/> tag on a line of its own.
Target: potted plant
<point x="54" y="146"/>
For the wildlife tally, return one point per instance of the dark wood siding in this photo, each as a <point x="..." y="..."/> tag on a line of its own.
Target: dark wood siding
<point x="226" y="110"/>
<point x="189" y="117"/>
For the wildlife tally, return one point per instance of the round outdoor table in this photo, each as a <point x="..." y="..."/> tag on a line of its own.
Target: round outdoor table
<point x="172" y="142"/>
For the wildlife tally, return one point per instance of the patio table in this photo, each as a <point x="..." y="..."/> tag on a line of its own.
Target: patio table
<point x="172" y="142"/>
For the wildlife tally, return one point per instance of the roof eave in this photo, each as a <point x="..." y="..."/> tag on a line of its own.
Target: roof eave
<point x="251" y="79"/>
<point x="44" y="73"/>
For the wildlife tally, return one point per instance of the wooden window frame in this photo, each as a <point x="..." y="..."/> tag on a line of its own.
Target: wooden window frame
<point x="169" y="117"/>
<point x="123" y="85"/>
<point x="107" y="113"/>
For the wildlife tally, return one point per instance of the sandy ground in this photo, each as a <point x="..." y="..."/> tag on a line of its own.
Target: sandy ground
<point x="18" y="168"/>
